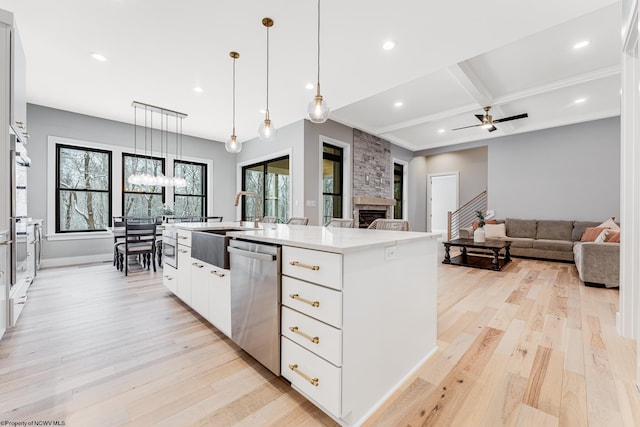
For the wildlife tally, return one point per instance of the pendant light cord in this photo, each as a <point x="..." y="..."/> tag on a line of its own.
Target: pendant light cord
<point x="234" y="96"/>
<point x="267" y="73"/>
<point x="318" y="47"/>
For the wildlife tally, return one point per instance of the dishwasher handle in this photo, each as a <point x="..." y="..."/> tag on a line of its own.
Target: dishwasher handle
<point x="254" y="255"/>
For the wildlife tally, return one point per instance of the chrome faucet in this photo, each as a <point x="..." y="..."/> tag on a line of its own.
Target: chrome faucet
<point x="255" y="205"/>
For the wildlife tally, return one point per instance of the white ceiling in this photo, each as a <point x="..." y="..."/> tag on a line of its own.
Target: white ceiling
<point x="451" y="59"/>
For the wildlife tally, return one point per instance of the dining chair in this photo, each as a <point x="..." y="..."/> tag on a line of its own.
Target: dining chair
<point x="210" y="219"/>
<point x="269" y="220"/>
<point x="140" y="240"/>
<point x="339" y="223"/>
<point x="118" y="234"/>
<point x="303" y="220"/>
<point x="389" y="224"/>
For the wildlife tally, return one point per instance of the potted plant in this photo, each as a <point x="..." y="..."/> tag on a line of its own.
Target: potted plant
<point x="478" y="234"/>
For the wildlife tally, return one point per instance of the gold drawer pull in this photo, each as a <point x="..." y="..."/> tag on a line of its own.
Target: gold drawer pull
<point x="296" y="330"/>
<point x="5" y="243"/>
<point x="310" y="267"/>
<point x="313" y="381"/>
<point x="197" y="265"/>
<point x="168" y="277"/>
<point x="183" y="251"/>
<point x="182" y="237"/>
<point x="304" y="300"/>
<point x="216" y="273"/>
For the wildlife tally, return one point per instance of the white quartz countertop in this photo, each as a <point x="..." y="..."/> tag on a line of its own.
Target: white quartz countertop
<point x="338" y="240"/>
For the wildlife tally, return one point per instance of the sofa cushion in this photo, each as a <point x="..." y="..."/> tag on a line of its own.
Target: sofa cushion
<point x="591" y="234"/>
<point x="520" y="242"/>
<point x="554" y="230"/>
<point x="612" y="236"/>
<point x="610" y="223"/>
<point x="553" y="245"/>
<point x="521" y="228"/>
<point x="579" y="227"/>
<point x="494" y="231"/>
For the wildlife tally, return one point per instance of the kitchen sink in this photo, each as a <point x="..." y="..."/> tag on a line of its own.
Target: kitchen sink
<point x="210" y="246"/>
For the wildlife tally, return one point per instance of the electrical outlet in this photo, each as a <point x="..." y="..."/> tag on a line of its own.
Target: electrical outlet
<point x="390" y="253"/>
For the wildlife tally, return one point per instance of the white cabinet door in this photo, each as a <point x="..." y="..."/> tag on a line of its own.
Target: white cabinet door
<point x="184" y="273"/>
<point x="169" y="278"/>
<point x="200" y="284"/>
<point x="18" y="85"/>
<point x="220" y="299"/>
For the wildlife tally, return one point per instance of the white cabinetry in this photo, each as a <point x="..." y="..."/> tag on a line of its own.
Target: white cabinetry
<point x="356" y="325"/>
<point x="169" y="278"/>
<point x="200" y="287"/>
<point x="220" y="299"/>
<point x="184" y="266"/>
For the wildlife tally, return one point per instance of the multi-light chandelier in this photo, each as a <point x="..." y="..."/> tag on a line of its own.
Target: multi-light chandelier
<point x="165" y="129"/>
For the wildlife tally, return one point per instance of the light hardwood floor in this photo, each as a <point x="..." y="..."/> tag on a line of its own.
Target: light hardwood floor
<point x="528" y="346"/>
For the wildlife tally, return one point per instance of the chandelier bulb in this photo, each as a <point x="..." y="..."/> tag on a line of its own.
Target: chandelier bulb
<point x="232" y="145"/>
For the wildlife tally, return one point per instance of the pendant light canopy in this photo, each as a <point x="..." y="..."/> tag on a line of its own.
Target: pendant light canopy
<point x="232" y="145"/>
<point x="266" y="130"/>
<point x="318" y="110"/>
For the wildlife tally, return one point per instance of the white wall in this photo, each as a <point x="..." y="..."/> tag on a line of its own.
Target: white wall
<point x="568" y="172"/>
<point x="45" y="122"/>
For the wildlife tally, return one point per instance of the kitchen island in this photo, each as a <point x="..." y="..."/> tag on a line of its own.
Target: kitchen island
<point x="358" y="310"/>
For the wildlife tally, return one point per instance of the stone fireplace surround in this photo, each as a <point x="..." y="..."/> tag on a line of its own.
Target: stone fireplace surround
<point x="372" y="203"/>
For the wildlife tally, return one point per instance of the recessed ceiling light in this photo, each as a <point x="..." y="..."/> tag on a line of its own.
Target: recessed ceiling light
<point x="309" y="86"/>
<point x="388" y="45"/>
<point x="197" y="89"/>
<point x="98" y="57"/>
<point x="580" y="100"/>
<point x="581" y="44"/>
<point x="440" y="130"/>
<point x="398" y="104"/>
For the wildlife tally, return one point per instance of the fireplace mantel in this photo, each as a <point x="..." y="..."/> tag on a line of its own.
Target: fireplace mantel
<point x="373" y="201"/>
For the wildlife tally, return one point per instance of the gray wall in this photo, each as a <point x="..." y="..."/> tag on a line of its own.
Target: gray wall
<point x="45" y="122"/>
<point x="568" y="172"/>
<point x="418" y="194"/>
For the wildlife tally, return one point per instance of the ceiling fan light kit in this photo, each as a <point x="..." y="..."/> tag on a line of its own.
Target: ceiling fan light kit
<point x="488" y="122"/>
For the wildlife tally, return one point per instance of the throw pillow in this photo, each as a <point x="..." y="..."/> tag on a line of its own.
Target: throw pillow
<point x="475" y="223"/>
<point x="610" y="223"/>
<point x="601" y="236"/>
<point x="591" y="234"/>
<point x="495" y="231"/>
<point x="612" y="236"/>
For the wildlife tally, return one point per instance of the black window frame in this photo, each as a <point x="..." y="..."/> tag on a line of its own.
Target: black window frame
<point x="203" y="196"/>
<point x="58" y="189"/>
<point x="125" y="192"/>
<point x="398" y="167"/>
<point x="337" y="158"/>
<point x="264" y="165"/>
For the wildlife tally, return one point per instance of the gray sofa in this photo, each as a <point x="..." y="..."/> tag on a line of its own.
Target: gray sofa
<point x="597" y="263"/>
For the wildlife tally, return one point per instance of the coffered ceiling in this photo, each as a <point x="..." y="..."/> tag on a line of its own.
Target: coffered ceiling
<point x="450" y="59"/>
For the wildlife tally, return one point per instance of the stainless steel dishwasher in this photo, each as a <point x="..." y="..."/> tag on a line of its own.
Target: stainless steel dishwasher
<point x="255" y="300"/>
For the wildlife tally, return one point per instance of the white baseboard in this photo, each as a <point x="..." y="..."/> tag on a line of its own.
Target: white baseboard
<point x="76" y="260"/>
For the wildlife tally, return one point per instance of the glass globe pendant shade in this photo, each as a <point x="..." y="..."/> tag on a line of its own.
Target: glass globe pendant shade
<point x="318" y="110"/>
<point x="232" y="145"/>
<point x="266" y="131"/>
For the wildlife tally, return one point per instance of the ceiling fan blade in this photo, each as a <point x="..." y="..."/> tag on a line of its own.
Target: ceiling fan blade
<point x="492" y="128"/>
<point x="480" y="117"/>
<point x="507" y="119"/>
<point x="467" y="127"/>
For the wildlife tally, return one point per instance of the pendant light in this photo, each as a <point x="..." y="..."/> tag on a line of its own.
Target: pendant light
<point x="266" y="131"/>
<point x="232" y="145"/>
<point x="318" y="110"/>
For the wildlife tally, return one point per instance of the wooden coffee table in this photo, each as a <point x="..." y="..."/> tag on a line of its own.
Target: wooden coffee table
<point x="495" y="262"/>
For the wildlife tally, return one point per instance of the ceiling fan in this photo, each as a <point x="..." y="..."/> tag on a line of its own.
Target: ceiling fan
<point x="488" y="121"/>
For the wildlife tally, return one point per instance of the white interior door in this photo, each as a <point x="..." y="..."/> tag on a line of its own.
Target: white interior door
<point x="443" y="198"/>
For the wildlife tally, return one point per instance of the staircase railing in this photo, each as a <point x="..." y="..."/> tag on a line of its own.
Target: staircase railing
<point x="465" y="215"/>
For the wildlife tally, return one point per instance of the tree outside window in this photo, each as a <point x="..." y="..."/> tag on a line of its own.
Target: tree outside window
<point x="192" y="199"/>
<point x="270" y="181"/>
<point x="142" y="200"/>
<point x="83" y="189"/>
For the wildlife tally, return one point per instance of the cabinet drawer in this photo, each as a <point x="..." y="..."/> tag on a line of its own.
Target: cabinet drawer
<point x="308" y="368"/>
<point x="315" y="336"/>
<point x="324" y="268"/>
<point x="169" y="278"/>
<point x="318" y="302"/>
<point x="184" y="237"/>
<point x="220" y="299"/>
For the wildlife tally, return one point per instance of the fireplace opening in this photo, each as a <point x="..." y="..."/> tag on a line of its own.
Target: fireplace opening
<point x="367" y="216"/>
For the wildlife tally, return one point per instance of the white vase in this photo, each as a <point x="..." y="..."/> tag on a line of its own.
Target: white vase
<point x="478" y="235"/>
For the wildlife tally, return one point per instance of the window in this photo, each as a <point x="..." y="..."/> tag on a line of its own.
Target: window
<point x="83" y="189"/>
<point x="332" y="159"/>
<point x="141" y="200"/>
<point x="398" y="185"/>
<point x="270" y="181"/>
<point x="192" y="199"/>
